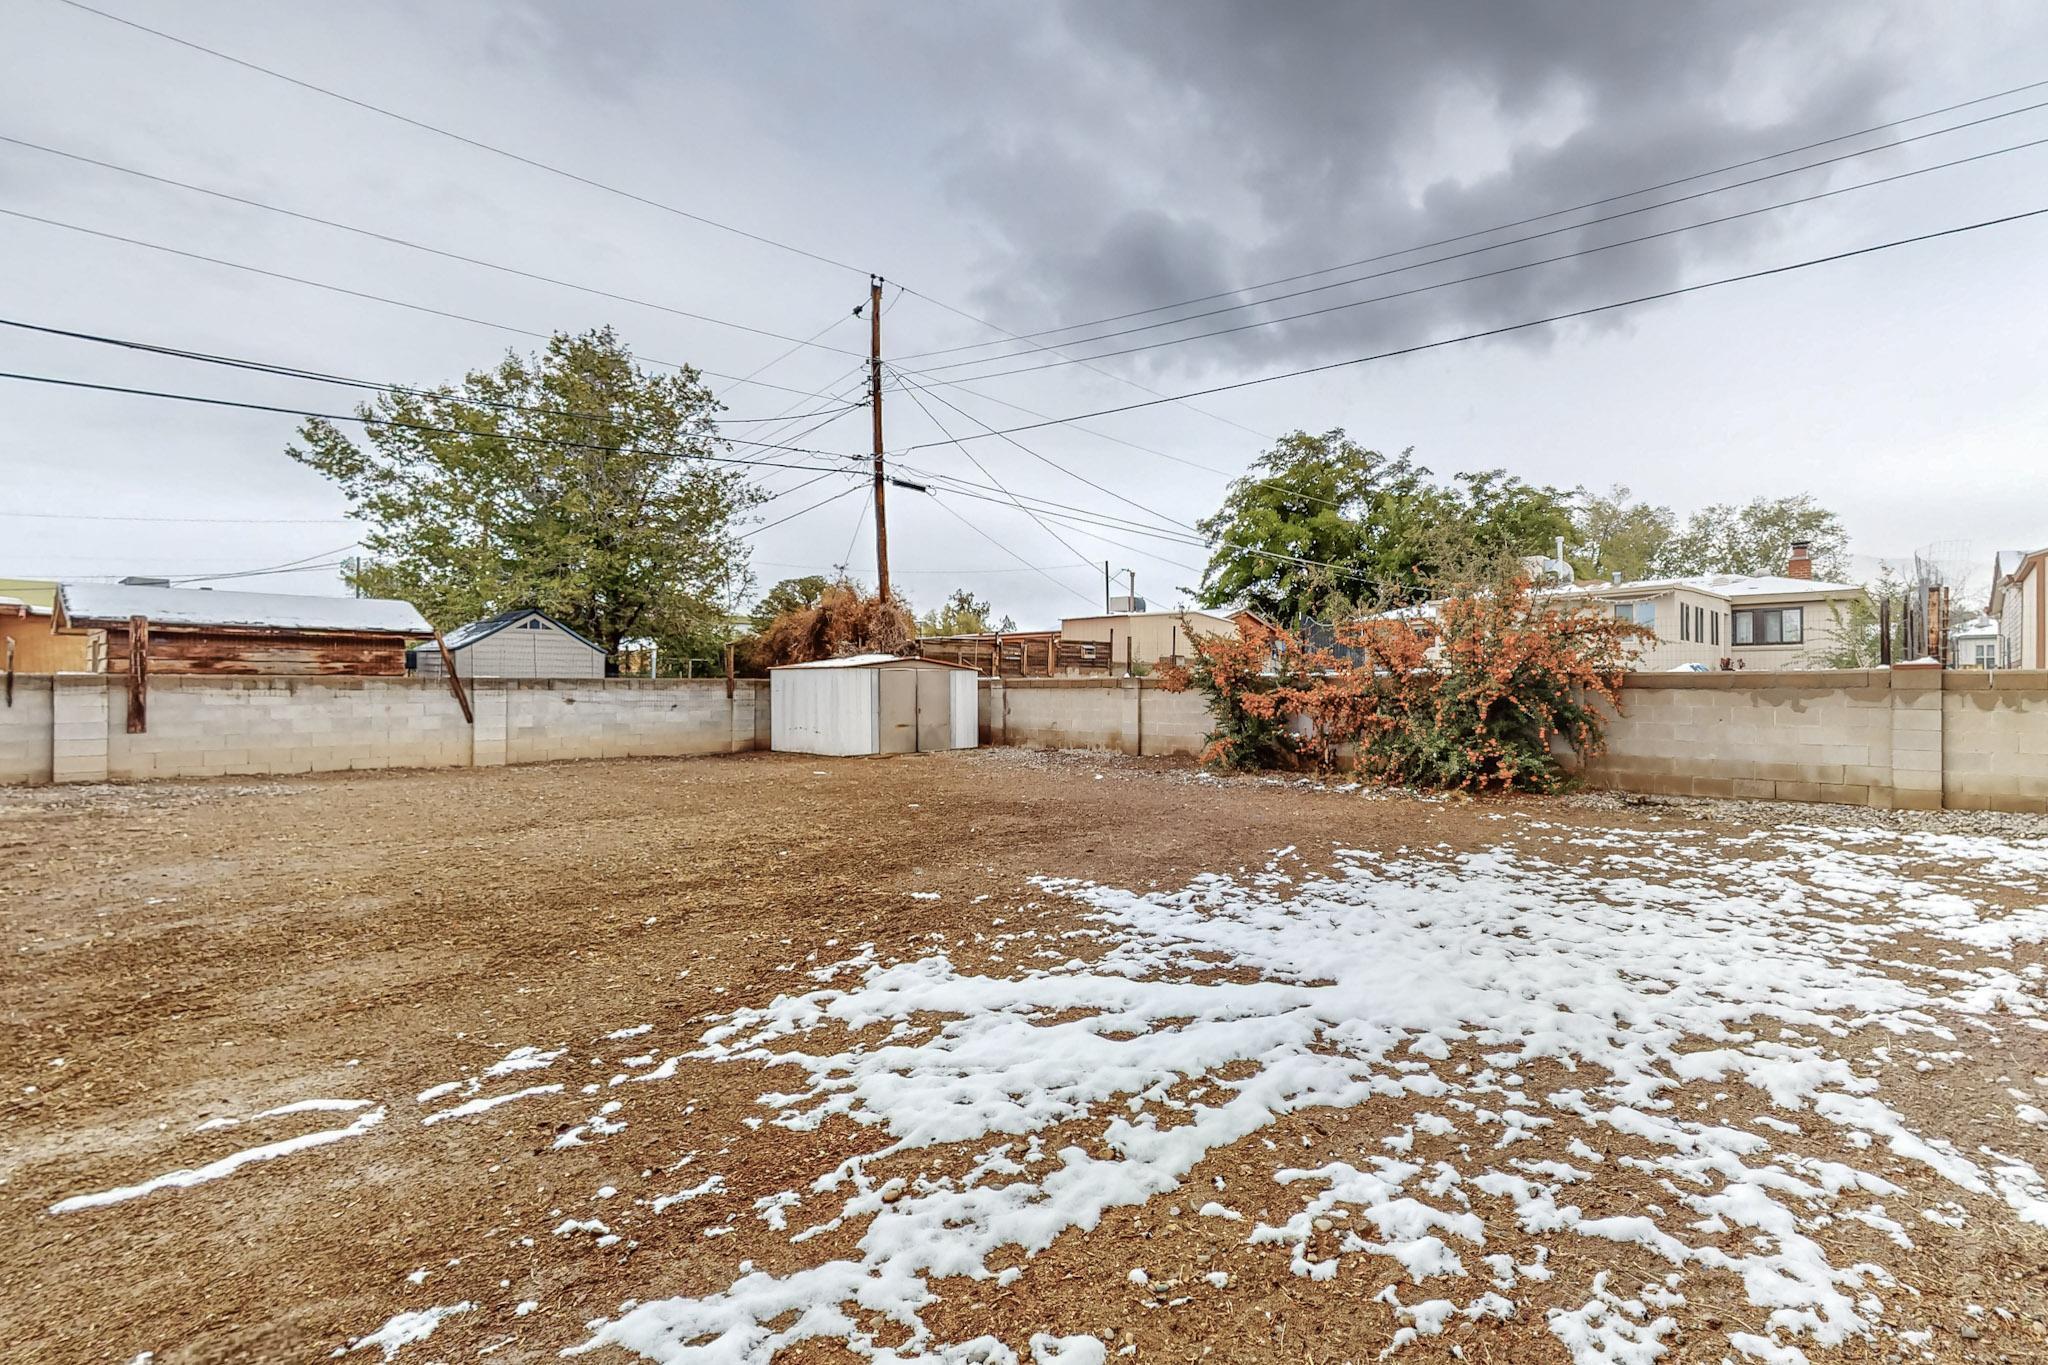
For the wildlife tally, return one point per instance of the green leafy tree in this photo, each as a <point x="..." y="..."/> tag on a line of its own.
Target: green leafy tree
<point x="962" y="614"/>
<point x="573" y="481"/>
<point x="788" y="595"/>
<point x="1487" y="523"/>
<point x="1757" y="538"/>
<point x="1613" y="533"/>
<point x="1324" y="499"/>
<point x="1322" y="526"/>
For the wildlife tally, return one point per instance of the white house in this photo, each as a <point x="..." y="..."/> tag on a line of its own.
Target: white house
<point x="1746" y="621"/>
<point x="2019" y="603"/>
<point x="1974" y="644"/>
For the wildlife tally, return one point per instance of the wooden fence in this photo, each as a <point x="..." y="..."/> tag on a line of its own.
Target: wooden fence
<point x="1038" y="655"/>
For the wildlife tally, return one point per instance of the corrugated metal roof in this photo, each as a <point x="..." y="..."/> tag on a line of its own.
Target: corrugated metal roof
<point x="116" y="602"/>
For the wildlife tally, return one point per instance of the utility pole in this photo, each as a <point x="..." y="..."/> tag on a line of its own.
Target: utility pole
<point x="875" y="402"/>
<point x="1105" y="587"/>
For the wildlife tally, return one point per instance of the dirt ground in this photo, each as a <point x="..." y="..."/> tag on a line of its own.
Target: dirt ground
<point x="182" y="955"/>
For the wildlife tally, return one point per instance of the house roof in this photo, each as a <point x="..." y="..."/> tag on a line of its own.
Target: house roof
<point x="1729" y="585"/>
<point x="114" y="603"/>
<point x="464" y="636"/>
<point x="873" y="661"/>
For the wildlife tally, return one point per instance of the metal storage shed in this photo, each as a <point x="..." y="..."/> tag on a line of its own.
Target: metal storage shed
<point x="524" y="643"/>
<point x="873" y="704"/>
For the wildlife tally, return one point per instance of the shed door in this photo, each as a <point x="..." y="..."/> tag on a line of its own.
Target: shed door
<point x="934" y="708"/>
<point x="899" y="709"/>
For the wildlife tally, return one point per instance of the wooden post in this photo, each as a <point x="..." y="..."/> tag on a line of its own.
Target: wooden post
<point x="138" y="674"/>
<point x="10" y="671"/>
<point x="454" y="679"/>
<point x="728" y="673"/>
<point x="1129" y="672"/>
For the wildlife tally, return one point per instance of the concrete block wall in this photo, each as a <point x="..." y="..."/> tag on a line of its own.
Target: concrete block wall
<point x="1123" y="715"/>
<point x="1795" y="736"/>
<point x="73" y="727"/>
<point x="25" y="730"/>
<point x="216" y="727"/>
<point x="1994" y="741"/>
<point x="1910" y="737"/>
<point x="550" y="719"/>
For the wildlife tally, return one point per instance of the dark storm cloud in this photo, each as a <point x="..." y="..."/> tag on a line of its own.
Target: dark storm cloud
<point x="1164" y="151"/>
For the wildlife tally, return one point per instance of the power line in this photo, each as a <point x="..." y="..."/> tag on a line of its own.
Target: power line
<point x="364" y="294"/>
<point x="325" y="377"/>
<point x="1521" y="222"/>
<point x="915" y="389"/>
<point x="1042" y="573"/>
<point x="417" y="426"/>
<point x="476" y="143"/>
<point x="767" y="526"/>
<point x="992" y="478"/>
<point x="182" y="521"/>
<point x="392" y="240"/>
<point x="1468" y="279"/>
<point x="1510" y="328"/>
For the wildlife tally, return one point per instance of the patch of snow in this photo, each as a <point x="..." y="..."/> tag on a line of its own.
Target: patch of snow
<point x="227" y="1165"/>
<point x="408" y="1328"/>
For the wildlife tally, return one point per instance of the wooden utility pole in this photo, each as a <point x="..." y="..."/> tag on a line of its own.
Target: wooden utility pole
<point x="875" y="403"/>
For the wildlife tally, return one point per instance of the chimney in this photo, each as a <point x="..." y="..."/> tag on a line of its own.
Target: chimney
<point x="1801" y="563"/>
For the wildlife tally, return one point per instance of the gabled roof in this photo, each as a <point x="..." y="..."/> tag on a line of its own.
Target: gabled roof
<point x="463" y="636"/>
<point x="98" y="604"/>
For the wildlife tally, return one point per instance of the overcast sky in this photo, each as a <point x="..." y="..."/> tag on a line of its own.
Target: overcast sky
<point x="1038" y="166"/>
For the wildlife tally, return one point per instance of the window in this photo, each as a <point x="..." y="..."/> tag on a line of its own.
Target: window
<point x="1770" y="626"/>
<point x="1714" y="624"/>
<point x="1642" y="613"/>
<point x="1684" y="622"/>
<point x="1985" y="653"/>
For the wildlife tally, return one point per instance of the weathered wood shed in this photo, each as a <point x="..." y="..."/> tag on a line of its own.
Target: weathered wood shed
<point x="524" y="643"/>
<point x="873" y="704"/>
<point x="196" y="630"/>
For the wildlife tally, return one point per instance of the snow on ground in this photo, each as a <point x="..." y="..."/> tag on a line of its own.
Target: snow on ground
<point x="1599" y="1046"/>
<point x="228" y="1165"/>
<point x="1432" y="979"/>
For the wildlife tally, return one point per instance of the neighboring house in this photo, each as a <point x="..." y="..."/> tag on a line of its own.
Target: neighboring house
<point x="1770" y="621"/>
<point x="526" y="643"/>
<point x="28" y="641"/>
<point x="1148" y="637"/>
<point x="1974" y="644"/>
<point x="2019" y="604"/>
<point x="197" y="630"/>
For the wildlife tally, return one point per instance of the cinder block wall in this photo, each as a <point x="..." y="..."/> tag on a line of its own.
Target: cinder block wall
<point x="25" y="731"/>
<point x="73" y="727"/>
<point x="1994" y="740"/>
<point x="1123" y="715"/>
<point x="627" y="717"/>
<point x="1908" y="737"/>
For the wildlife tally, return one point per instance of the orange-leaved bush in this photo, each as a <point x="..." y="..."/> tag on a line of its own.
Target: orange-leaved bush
<point x="1474" y="693"/>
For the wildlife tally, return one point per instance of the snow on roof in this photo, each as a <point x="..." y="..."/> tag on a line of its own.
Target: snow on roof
<point x="270" y="611"/>
<point x="1725" y="585"/>
<point x="870" y="660"/>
